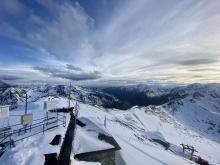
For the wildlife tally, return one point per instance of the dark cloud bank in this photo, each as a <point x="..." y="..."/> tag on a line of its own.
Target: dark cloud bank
<point x="69" y="74"/>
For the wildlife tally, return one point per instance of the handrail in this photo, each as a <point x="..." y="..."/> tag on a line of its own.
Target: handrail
<point x="33" y="134"/>
<point x="33" y="120"/>
<point x="50" y="125"/>
<point x="5" y="138"/>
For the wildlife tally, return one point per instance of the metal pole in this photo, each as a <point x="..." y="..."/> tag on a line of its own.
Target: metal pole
<point x="47" y="118"/>
<point x="69" y="93"/>
<point x="26" y="104"/>
<point x="25" y="110"/>
<point x="105" y="121"/>
<point x="76" y="109"/>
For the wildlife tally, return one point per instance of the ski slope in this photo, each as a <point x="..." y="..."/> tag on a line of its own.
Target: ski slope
<point x="133" y="128"/>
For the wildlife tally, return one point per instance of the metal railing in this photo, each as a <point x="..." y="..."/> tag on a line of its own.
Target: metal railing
<point x="19" y="132"/>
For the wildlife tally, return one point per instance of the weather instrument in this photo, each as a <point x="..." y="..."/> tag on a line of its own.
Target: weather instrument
<point x="4" y="111"/>
<point x="50" y="105"/>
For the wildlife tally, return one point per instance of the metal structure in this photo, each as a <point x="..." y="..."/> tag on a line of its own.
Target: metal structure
<point x="10" y="135"/>
<point x="4" y="111"/>
<point x="27" y="119"/>
<point x="191" y="149"/>
<point x="50" y="105"/>
<point x="26" y="103"/>
<point x="69" y="94"/>
<point x="28" y="126"/>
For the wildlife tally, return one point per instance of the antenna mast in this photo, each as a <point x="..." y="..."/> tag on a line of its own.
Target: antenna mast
<point x="26" y="103"/>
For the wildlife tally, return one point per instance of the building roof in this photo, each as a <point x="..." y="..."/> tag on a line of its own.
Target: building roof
<point x="92" y="137"/>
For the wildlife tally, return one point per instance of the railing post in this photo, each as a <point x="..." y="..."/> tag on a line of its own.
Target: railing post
<point x="10" y="142"/>
<point x="64" y="121"/>
<point x="47" y="118"/>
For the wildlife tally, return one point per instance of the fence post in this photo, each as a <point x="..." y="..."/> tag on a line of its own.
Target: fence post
<point x="10" y="142"/>
<point x="64" y="121"/>
<point x="47" y="118"/>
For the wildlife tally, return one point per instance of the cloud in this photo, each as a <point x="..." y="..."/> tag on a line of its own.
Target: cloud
<point x="9" y="77"/>
<point x="24" y="75"/>
<point x="140" y="39"/>
<point x="68" y="74"/>
<point x="65" y="32"/>
<point x="78" y="76"/>
<point x="72" y="67"/>
<point x="205" y="69"/>
<point x="67" y="35"/>
<point x="12" y="7"/>
<point x="196" y="62"/>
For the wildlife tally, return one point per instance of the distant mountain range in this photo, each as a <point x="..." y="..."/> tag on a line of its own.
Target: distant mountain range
<point x="16" y="95"/>
<point x="3" y="86"/>
<point x="196" y="105"/>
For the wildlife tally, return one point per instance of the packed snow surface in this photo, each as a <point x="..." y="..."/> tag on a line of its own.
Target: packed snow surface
<point x="86" y="139"/>
<point x="133" y="130"/>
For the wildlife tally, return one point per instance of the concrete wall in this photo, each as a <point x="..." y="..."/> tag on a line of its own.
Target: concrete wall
<point x="118" y="158"/>
<point x="104" y="157"/>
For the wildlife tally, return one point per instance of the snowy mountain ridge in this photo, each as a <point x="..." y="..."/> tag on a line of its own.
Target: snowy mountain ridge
<point x="198" y="107"/>
<point x="16" y="95"/>
<point x="190" y="116"/>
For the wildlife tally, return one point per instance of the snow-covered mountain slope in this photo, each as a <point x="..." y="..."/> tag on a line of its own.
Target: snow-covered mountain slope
<point x="194" y="107"/>
<point x="198" y="107"/>
<point x="12" y="96"/>
<point x="16" y="95"/>
<point x="135" y="129"/>
<point x="3" y="86"/>
<point x="148" y="90"/>
<point x="142" y="95"/>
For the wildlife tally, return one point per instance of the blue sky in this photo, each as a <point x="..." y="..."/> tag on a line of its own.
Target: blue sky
<point x="105" y="41"/>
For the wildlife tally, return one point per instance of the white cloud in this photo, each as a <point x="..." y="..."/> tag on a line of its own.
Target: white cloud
<point x="12" y="7"/>
<point x="143" y="39"/>
<point x="67" y="35"/>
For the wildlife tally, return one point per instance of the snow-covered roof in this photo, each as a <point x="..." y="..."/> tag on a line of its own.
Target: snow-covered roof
<point x="93" y="137"/>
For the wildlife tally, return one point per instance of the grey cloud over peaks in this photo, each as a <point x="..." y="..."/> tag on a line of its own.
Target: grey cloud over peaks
<point x="9" y="77"/>
<point x="192" y="62"/>
<point x="68" y="74"/>
<point x="72" y="67"/>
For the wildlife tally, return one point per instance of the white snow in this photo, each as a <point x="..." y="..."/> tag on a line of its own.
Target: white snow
<point x="132" y="129"/>
<point x="31" y="150"/>
<point x="86" y="139"/>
